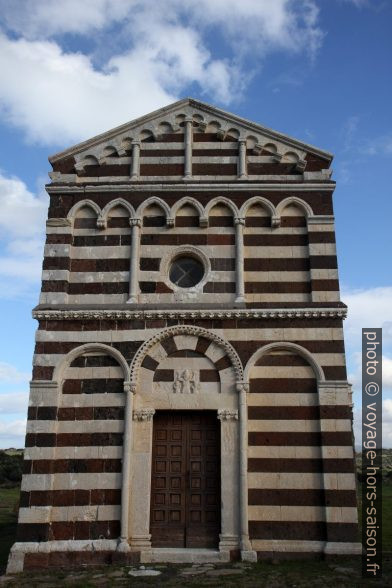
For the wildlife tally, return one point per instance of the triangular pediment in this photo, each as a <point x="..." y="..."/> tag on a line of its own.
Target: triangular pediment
<point x="154" y="146"/>
<point x="170" y="119"/>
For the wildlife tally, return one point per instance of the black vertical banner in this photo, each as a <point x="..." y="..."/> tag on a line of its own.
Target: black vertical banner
<point x="371" y="453"/>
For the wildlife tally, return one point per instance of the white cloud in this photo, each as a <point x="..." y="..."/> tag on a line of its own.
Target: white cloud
<point x="165" y="48"/>
<point x="9" y="373"/>
<point x="22" y="224"/>
<point x="14" y="403"/>
<point x="12" y="434"/>
<point x="368" y="308"/>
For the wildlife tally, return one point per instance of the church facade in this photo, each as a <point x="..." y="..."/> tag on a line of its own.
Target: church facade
<point x="189" y="394"/>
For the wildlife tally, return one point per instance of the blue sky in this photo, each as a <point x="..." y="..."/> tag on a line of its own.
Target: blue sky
<point x="318" y="70"/>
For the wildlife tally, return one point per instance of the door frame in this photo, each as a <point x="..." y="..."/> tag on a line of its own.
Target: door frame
<point x="140" y="503"/>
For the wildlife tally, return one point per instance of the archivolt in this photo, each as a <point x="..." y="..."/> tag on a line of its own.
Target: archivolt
<point x="293" y="347"/>
<point x="88" y="348"/>
<point x="184" y="330"/>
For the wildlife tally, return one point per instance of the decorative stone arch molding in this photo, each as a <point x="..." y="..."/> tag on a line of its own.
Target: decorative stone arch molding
<point x="203" y="220"/>
<point x="307" y="209"/>
<point x="59" y="370"/>
<point x="103" y="217"/>
<point x="81" y="204"/>
<point x="267" y="204"/>
<point x="143" y="399"/>
<point x="184" y="330"/>
<point x="221" y="200"/>
<point x="159" y="202"/>
<point x="285" y="345"/>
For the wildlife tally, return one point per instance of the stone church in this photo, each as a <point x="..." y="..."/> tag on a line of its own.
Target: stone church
<point x="189" y="399"/>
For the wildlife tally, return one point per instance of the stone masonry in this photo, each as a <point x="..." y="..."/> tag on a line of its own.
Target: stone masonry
<point x="257" y="341"/>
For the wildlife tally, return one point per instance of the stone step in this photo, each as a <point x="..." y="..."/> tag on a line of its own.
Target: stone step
<point x="179" y="555"/>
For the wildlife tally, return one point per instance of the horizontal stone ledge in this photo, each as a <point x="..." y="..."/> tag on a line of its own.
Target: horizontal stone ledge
<point x="194" y="186"/>
<point x="283" y="313"/>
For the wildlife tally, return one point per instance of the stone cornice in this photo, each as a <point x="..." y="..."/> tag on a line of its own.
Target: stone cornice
<point x="192" y="187"/>
<point x="278" y="313"/>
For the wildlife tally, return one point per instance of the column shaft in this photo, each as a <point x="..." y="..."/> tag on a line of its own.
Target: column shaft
<point x="242" y="159"/>
<point x="133" y="269"/>
<point x="129" y="389"/>
<point x="135" y="171"/>
<point x="188" y="136"/>
<point x="239" y="254"/>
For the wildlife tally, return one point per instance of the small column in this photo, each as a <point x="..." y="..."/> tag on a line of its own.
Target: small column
<point x="229" y="536"/>
<point x="239" y="254"/>
<point x="247" y="554"/>
<point x="135" y="223"/>
<point x="188" y="137"/>
<point x="129" y="390"/>
<point x="135" y="171"/>
<point x="242" y="175"/>
<point x="140" y="537"/>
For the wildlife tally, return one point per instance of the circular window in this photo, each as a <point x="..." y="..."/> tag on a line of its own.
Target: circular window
<point x="186" y="271"/>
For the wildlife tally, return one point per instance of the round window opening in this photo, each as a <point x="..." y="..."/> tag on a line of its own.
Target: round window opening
<point x="186" y="271"/>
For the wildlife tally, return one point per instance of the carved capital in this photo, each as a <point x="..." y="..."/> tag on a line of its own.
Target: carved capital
<point x="225" y="414"/>
<point x="275" y="221"/>
<point x="143" y="414"/>
<point x="239" y="221"/>
<point x="203" y="222"/>
<point x="257" y="149"/>
<point x="242" y="386"/>
<point x="101" y="223"/>
<point x="221" y="134"/>
<point x="170" y="222"/>
<point x="130" y="387"/>
<point x="300" y="165"/>
<point x="135" y="222"/>
<point x="277" y="157"/>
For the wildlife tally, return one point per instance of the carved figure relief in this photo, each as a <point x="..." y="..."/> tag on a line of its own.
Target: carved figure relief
<point x="185" y="382"/>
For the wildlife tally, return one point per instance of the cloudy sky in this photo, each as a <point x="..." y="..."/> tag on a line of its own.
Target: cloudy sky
<point x="317" y="70"/>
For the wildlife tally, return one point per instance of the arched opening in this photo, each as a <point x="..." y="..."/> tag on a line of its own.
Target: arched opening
<point x="285" y="461"/>
<point x="185" y="376"/>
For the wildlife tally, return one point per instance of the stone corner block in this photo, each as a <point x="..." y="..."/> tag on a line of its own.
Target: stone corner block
<point x="250" y="556"/>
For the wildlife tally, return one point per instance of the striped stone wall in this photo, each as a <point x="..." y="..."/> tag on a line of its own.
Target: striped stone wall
<point x="259" y="340"/>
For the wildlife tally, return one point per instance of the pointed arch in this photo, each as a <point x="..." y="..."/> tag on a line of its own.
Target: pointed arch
<point x="257" y="200"/>
<point x="187" y="200"/>
<point x="88" y="348"/>
<point x="153" y="200"/>
<point x="294" y="200"/>
<point x="184" y="330"/>
<point x="81" y="204"/>
<point x="285" y="345"/>
<point x="118" y="202"/>
<point x="221" y="200"/>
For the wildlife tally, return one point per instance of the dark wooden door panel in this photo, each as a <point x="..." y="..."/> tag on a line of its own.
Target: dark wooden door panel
<point x="185" y="484"/>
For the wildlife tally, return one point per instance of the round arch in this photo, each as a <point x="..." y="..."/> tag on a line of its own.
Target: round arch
<point x="87" y="348"/>
<point x="294" y="200"/>
<point x="81" y="204"/>
<point x="184" y="330"/>
<point x="318" y="370"/>
<point x="221" y="200"/>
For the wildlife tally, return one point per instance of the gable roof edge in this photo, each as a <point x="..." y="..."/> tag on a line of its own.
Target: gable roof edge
<point x="197" y="104"/>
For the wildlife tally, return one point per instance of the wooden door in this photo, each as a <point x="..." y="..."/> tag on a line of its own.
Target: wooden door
<point x="185" y="483"/>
